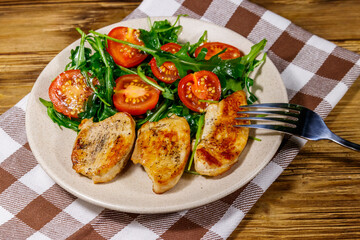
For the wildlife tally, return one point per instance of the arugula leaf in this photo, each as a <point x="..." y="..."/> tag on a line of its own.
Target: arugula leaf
<point x="183" y="62"/>
<point x="106" y="112"/>
<point x="230" y="86"/>
<point x="145" y="79"/>
<point x="108" y="76"/>
<point x="79" y="57"/>
<point x="201" y="40"/>
<point x="239" y="68"/>
<point x="201" y="122"/>
<point x="59" y="118"/>
<point x="202" y="54"/>
<point x="168" y="94"/>
<point x="150" y="39"/>
<point x="154" y="116"/>
<point x="101" y="66"/>
<point x="254" y="52"/>
<point x="167" y="32"/>
<point x="91" y="107"/>
<point x="160" y="33"/>
<point x="234" y="74"/>
<point x="141" y="48"/>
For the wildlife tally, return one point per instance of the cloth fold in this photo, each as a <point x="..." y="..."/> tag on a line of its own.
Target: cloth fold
<point x="316" y="73"/>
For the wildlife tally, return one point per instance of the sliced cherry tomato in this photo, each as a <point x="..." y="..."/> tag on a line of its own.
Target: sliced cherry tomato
<point x="69" y="91"/>
<point x="203" y="85"/>
<point x="122" y="54"/>
<point x="167" y="72"/>
<point x="216" y="47"/>
<point x="133" y="95"/>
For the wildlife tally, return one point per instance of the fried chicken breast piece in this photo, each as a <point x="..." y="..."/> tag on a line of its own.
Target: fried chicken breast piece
<point x="221" y="144"/>
<point x="163" y="148"/>
<point x="102" y="149"/>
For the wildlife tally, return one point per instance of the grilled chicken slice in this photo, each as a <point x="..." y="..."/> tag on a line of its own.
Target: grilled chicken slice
<point x="221" y="144"/>
<point x="163" y="148"/>
<point x="102" y="149"/>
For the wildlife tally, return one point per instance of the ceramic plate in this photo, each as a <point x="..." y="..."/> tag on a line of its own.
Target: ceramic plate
<point x="131" y="191"/>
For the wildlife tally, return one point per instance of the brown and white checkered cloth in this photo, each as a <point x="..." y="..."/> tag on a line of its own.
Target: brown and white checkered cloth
<point x="316" y="73"/>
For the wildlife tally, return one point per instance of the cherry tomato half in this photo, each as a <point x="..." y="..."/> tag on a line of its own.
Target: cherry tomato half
<point x="202" y="85"/>
<point x="122" y="54"/>
<point x="216" y="47"/>
<point x="133" y="95"/>
<point x="167" y="72"/>
<point x="69" y="92"/>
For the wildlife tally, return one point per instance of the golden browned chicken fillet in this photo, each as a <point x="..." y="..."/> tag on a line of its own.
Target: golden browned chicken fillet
<point x="221" y="144"/>
<point x="163" y="149"/>
<point x="102" y="149"/>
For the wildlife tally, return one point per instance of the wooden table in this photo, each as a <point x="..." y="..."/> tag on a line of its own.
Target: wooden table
<point x="318" y="196"/>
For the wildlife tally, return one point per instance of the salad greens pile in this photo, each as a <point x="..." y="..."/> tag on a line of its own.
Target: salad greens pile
<point x="96" y="62"/>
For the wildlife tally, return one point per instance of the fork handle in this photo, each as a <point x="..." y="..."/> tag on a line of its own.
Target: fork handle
<point x="344" y="142"/>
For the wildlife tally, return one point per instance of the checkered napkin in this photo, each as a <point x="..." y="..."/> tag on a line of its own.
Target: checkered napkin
<point x="316" y="74"/>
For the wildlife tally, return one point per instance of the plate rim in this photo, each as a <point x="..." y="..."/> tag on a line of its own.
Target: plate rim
<point x="130" y="209"/>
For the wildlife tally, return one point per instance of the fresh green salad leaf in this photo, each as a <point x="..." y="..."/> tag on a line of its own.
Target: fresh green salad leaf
<point x="201" y="122"/>
<point x="238" y="69"/>
<point x="160" y="33"/>
<point x="96" y="63"/>
<point x="59" y="118"/>
<point x="194" y="46"/>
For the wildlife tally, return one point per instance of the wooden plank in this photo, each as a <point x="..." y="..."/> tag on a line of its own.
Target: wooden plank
<point x="43" y="23"/>
<point x="34" y="32"/>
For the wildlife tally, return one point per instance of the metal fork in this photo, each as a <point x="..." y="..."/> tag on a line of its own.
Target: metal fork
<point x="297" y="120"/>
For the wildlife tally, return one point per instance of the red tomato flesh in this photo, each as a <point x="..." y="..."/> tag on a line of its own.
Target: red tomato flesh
<point x="133" y="95"/>
<point x="216" y="47"/>
<point x="122" y="54"/>
<point x="167" y="72"/>
<point x="202" y="85"/>
<point x="69" y="92"/>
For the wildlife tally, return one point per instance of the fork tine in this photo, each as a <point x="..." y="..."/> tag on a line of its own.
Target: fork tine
<point x="275" y="105"/>
<point x="290" y="114"/>
<point x="271" y="127"/>
<point x="294" y="122"/>
<point x="309" y="124"/>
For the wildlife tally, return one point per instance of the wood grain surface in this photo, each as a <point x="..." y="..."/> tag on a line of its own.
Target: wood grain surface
<point x="316" y="197"/>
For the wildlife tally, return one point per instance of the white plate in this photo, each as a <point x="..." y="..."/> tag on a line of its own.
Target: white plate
<point x="131" y="191"/>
